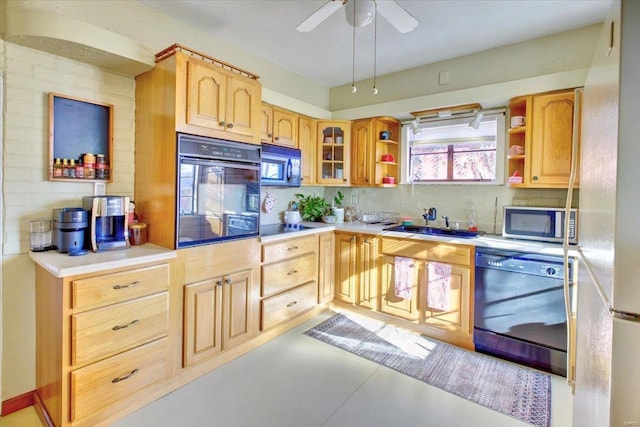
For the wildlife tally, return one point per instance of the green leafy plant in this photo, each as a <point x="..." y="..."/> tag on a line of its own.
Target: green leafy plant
<point x="313" y="208"/>
<point x="337" y="200"/>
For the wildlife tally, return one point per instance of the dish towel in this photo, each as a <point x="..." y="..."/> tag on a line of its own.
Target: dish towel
<point x="403" y="276"/>
<point x="438" y="285"/>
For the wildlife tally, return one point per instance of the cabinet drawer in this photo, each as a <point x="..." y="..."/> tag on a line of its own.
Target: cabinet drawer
<point x="104" y="383"/>
<point x="287" y="274"/>
<point x="289" y="248"/>
<point x="286" y="306"/>
<point x="428" y="251"/>
<point x="111" y="288"/>
<point x="103" y="332"/>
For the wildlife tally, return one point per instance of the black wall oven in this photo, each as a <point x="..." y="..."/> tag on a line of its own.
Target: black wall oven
<point x="218" y="185"/>
<point x="519" y="312"/>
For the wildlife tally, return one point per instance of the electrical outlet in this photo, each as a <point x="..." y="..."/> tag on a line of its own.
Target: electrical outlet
<point x="354" y="199"/>
<point x="99" y="189"/>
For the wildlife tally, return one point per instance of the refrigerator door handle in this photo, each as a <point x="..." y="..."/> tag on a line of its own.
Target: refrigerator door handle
<point x="624" y="315"/>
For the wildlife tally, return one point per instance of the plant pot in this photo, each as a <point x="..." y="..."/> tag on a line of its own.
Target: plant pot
<point x="338" y="213"/>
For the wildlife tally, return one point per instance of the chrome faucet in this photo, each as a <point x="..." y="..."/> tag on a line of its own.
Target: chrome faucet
<point x="446" y="221"/>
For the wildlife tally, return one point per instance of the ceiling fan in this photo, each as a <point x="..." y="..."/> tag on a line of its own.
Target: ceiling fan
<point x="362" y="13"/>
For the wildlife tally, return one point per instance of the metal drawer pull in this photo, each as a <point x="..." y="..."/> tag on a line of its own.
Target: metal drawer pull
<point x="130" y="285"/>
<point x="292" y="248"/>
<point x="118" y="327"/>
<point x="126" y="377"/>
<point x="292" y="303"/>
<point x="292" y="272"/>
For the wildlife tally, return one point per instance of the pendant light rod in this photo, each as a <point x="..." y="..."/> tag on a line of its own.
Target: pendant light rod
<point x="354" y="89"/>
<point x="375" y="47"/>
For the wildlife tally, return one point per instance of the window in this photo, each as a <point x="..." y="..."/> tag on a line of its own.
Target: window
<point x="449" y="151"/>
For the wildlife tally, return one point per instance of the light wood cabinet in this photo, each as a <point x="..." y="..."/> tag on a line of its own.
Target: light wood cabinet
<point x="289" y="279"/>
<point x="307" y="145"/>
<point x="220" y="294"/>
<point x="357" y="269"/>
<point x="546" y="138"/>
<point x="375" y="152"/>
<point x="218" y="102"/>
<point x="333" y="152"/>
<point x="102" y="340"/>
<point x="454" y="314"/>
<point x="326" y="267"/>
<point x="279" y="126"/>
<point x="346" y="267"/>
<point x="185" y="93"/>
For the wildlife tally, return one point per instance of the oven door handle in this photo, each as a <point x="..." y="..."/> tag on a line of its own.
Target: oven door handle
<point x="213" y="163"/>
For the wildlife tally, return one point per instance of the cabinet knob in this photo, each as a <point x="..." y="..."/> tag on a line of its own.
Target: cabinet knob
<point x="277" y="138"/>
<point x="230" y="125"/>
<point x="535" y="178"/>
<point x="352" y="238"/>
<point x="269" y="135"/>
<point x="222" y="124"/>
<point x="227" y="281"/>
<point x="126" y="377"/>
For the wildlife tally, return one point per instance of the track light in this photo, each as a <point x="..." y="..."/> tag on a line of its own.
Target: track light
<point x="475" y="123"/>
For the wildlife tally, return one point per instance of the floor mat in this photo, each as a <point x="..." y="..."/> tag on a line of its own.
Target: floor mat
<point x="516" y="391"/>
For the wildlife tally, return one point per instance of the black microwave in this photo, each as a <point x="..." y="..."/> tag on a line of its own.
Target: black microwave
<point x="542" y="224"/>
<point x="280" y="166"/>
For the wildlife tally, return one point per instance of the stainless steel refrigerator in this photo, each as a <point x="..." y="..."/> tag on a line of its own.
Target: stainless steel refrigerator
<point x="607" y="380"/>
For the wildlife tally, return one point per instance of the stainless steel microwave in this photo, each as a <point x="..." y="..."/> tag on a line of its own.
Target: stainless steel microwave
<point x="542" y="224"/>
<point x="280" y="166"/>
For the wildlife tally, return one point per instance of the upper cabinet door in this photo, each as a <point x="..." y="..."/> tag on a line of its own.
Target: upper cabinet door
<point x="244" y="98"/>
<point x="266" y="123"/>
<point x="333" y="152"/>
<point x="206" y="95"/>
<point x="285" y="128"/>
<point x="361" y="152"/>
<point x="307" y="145"/>
<point x="552" y="130"/>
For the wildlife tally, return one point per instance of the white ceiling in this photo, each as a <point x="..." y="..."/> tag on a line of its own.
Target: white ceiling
<point x="446" y="29"/>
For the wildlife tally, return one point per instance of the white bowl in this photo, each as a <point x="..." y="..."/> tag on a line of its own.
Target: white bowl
<point x="329" y="219"/>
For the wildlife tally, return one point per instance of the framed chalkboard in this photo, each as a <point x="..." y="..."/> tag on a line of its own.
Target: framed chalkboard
<point x="78" y="127"/>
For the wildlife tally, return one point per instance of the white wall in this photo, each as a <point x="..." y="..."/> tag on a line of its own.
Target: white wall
<point x="29" y="77"/>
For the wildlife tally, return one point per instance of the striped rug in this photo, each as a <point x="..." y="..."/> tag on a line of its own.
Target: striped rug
<point x="510" y="389"/>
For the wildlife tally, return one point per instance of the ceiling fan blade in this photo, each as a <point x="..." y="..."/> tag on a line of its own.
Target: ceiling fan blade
<point x="320" y="15"/>
<point x="396" y="15"/>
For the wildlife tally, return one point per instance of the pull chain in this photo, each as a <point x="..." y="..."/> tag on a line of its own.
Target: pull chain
<point x="354" y="89"/>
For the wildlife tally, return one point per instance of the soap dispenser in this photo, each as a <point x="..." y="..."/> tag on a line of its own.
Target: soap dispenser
<point x="472" y="224"/>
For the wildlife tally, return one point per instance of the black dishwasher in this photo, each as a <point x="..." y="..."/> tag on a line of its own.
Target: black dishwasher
<point x="519" y="312"/>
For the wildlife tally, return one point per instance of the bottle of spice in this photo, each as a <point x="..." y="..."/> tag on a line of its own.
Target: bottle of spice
<point x="65" y="168"/>
<point x="57" y="168"/>
<point x="72" y="168"/>
<point x="89" y="164"/>
<point x="100" y="167"/>
<point x="79" y="169"/>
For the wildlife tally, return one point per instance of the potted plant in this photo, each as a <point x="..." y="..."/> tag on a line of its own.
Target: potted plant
<point x="313" y="208"/>
<point x="338" y="209"/>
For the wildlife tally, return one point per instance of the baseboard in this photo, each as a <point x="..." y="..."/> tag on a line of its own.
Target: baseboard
<point x="14" y="404"/>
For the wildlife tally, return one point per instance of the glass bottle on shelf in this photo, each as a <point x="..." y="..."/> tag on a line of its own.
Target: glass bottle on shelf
<point x="57" y="168"/>
<point x="65" y="168"/>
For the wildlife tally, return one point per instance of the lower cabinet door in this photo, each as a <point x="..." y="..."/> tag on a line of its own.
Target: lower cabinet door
<point x="285" y="306"/>
<point x="202" y="326"/>
<point x="326" y="270"/>
<point x="392" y="302"/>
<point x="237" y="309"/>
<point x="97" y="386"/>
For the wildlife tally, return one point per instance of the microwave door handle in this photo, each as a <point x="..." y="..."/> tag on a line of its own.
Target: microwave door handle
<point x="289" y="170"/>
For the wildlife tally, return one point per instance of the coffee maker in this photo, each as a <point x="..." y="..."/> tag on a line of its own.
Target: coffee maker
<point x="108" y="222"/>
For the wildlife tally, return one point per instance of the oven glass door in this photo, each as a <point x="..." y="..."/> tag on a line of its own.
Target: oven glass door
<point x="214" y="198"/>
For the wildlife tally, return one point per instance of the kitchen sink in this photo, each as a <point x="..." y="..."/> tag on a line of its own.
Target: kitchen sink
<point x="432" y="231"/>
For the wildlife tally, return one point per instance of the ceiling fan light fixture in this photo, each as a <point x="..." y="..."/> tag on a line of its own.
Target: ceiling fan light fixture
<point x="361" y="14"/>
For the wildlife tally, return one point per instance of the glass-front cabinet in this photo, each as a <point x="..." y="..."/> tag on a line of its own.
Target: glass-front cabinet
<point x="334" y="139"/>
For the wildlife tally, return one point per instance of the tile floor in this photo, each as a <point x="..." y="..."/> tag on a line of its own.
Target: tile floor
<point x="297" y="381"/>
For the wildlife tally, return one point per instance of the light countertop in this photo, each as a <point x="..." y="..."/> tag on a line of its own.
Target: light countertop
<point x="486" y="241"/>
<point x="64" y="265"/>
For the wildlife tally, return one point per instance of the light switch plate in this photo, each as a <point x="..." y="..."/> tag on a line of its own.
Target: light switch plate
<point x="99" y="189"/>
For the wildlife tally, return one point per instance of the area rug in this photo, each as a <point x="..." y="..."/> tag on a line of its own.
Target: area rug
<point x="512" y="390"/>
